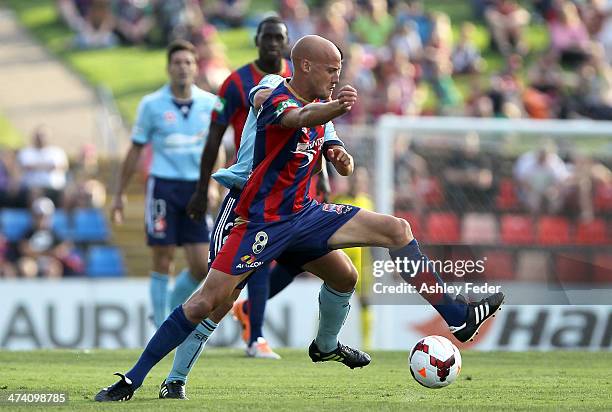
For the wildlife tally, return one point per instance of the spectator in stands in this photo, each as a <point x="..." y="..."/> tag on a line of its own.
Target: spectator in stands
<point x="373" y="24"/>
<point x="469" y="177"/>
<point x="178" y="19"/>
<point x="226" y="13"/>
<point x="400" y="93"/>
<point x="542" y="179"/>
<point x="7" y="269"/>
<point x="359" y="73"/>
<point x="296" y="15"/>
<point x="43" y="167"/>
<point x="333" y="23"/>
<point x="593" y="92"/>
<point x="411" y="178"/>
<point x="212" y="62"/>
<point x="466" y="57"/>
<point x="134" y="20"/>
<point x="406" y="41"/>
<point x="507" y="20"/>
<point x="604" y="36"/>
<point x="11" y="192"/>
<point x="437" y="65"/>
<point x="91" y="20"/>
<point x="84" y="189"/>
<point x="586" y="173"/>
<point x="41" y="251"/>
<point x="411" y="11"/>
<point x="569" y="38"/>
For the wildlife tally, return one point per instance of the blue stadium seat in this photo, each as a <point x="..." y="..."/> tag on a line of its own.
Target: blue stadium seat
<point x="90" y="226"/>
<point x="104" y="261"/>
<point x="15" y="223"/>
<point x="61" y="224"/>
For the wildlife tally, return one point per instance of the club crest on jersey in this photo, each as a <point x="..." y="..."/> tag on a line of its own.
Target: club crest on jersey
<point x="219" y="105"/>
<point x="339" y="209"/>
<point x="284" y="105"/>
<point x="169" y="117"/>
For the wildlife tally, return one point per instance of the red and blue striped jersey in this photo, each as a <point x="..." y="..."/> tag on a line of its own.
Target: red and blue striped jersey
<point x="283" y="161"/>
<point x="233" y="105"/>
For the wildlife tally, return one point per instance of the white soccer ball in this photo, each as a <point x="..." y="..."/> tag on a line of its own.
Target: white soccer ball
<point x="435" y="362"/>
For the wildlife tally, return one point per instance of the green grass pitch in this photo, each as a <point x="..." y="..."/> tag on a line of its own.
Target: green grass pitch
<point x="227" y="381"/>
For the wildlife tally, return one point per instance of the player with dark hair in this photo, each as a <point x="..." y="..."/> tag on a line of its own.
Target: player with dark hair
<point x="232" y="109"/>
<point x="175" y="121"/>
<point x="276" y="219"/>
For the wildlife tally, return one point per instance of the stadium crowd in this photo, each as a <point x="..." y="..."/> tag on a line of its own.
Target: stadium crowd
<point x="402" y="58"/>
<point x="35" y="181"/>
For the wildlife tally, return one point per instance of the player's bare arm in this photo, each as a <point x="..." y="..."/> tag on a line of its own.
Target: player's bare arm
<point x="315" y="114"/>
<point x="128" y="167"/>
<point x="198" y="203"/>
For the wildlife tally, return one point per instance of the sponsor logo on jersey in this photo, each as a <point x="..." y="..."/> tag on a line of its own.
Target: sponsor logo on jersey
<point x="309" y="149"/>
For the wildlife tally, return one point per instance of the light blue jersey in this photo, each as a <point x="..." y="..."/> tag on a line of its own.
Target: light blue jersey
<point x="177" y="140"/>
<point x="237" y="175"/>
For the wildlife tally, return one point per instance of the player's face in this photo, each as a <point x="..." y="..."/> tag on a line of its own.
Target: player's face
<point x="182" y="68"/>
<point x="272" y="41"/>
<point x="324" y="77"/>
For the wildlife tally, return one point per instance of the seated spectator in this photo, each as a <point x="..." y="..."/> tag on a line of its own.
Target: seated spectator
<point x="411" y="11"/>
<point x="177" y="19"/>
<point x="41" y="251"/>
<point x="11" y="192"/>
<point x="373" y="24"/>
<point x="332" y="23"/>
<point x="569" y="38"/>
<point x="400" y="92"/>
<point x="586" y="173"/>
<point x="84" y="190"/>
<point x="228" y="13"/>
<point x="437" y="66"/>
<point x="134" y="20"/>
<point x="469" y="177"/>
<point x="507" y="20"/>
<point x="466" y="57"/>
<point x="212" y="62"/>
<point x="542" y="179"/>
<point x="406" y="41"/>
<point x="43" y="167"/>
<point x="411" y="178"/>
<point x="593" y="93"/>
<point x="92" y="20"/>
<point x="296" y="15"/>
<point x="359" y="73"/>
<point x="7" y="269"/>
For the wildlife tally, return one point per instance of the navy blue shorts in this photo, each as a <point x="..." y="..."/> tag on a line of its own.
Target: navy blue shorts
<point x="296" y="241"/>
<point x="166" y="219"/>
<point x="224" y="224"/>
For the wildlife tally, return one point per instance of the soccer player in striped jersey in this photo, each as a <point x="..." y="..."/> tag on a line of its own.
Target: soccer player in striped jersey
<point x="276" y="218"/>
<point x="234" y="179"/>
<point x="232" y="108"/>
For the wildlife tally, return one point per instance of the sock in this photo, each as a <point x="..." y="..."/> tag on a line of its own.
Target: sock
<point x="259" y="285"/>
<point x="172" y="332"/>
<point x="280" y="277"/>
<point x="366" y="326"/>
<point x="333" y="310"/>
<point x="183" y="288"/>
<point x="189" y="351"/>
<point x="159" y="297"/>
<point x="453" y="312"/>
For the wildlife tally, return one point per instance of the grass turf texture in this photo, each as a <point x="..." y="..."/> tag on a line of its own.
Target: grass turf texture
<point x="226" y="380"/>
